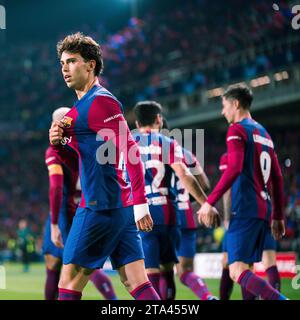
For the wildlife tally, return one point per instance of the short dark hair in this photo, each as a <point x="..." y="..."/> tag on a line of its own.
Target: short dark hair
<point x="87" y="47"/>
<point x="146" y="112"/>
<point x="242" y="93"/>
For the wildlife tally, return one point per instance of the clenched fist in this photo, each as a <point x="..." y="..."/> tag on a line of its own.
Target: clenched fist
<point x="56" y="132"/>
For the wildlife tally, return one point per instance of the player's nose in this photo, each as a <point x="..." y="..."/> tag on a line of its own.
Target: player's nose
<point x="65" y="68"/>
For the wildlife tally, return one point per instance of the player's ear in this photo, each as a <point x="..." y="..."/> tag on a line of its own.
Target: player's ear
<point x="159" y="120"/>
<point x="236" y="104"/>
<point x="91" y="65"/>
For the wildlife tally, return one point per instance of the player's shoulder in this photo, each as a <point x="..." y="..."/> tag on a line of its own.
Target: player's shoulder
<point x="103" y="96"/>
<point x="239" y="130"/>
<point x="163" y="137"/>
<point x="169" y="142"/>
<point x="261" y="128"/>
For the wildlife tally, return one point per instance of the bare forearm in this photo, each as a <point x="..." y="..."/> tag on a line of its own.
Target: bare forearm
<point x="227" y="205"/>
<point x="203" y="181"/>
<point x="194" y="188"/>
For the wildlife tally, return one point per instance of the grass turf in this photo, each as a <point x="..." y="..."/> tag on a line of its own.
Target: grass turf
<point x="30" y="286"/>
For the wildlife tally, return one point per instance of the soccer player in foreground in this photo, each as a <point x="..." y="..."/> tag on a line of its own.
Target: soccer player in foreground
<point x="253" y="174"/>
<point x="268" y="256"/>
<point x="63" y="178"/>
<point x="111" y="208"/>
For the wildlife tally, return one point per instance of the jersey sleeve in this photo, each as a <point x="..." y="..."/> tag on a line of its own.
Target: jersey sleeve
<point x="223" y="163"/>
<point x="107" y="120"/>
<point x="56" y="182"/>
<point x="67" y="156"/>
<point x="176" y="153"/>
<point x="192" y="163"/>
<point x="236" y="141"/>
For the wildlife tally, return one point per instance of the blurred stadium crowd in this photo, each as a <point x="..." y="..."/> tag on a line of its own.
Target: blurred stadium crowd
<point x="159" y="54"/>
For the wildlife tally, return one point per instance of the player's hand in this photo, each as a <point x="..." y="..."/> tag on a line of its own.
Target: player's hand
<point x="209" y="216"/>
<point x="145" y="223"/>
<point x="56" y="237"/>
<point x="56" y="132"/>
<point x="278" y="229"/>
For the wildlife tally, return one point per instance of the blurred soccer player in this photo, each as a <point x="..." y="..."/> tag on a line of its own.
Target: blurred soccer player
<point x="63" y="177"/>
<point x="187" y="246"/>
<point x="24" y="241"/>
<point x="253" y="174"/>
<point x="268" y="256"/>
<point x="104" y="224"/>
<point x="161" y="157"/>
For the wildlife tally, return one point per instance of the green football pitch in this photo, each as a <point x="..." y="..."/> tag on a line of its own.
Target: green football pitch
<point x="30" y="286"/>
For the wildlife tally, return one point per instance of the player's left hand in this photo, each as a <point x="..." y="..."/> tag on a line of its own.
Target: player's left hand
<point x="145" y="223"/>
<point x="209" y="216"/>
<point x="56" y="236"/>
<point x="277" y="229"/>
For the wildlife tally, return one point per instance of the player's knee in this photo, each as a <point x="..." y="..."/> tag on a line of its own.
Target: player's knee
<point x="87" y="271"/>
<point x="269" y="259"/>
<point x="126" y="283"/>
<point x="53" y="263"/>
<point x="233" y="273"/>
<point x="64" y="282"/>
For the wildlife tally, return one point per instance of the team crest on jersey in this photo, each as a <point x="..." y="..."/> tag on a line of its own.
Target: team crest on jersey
<point x="67" y="121"/>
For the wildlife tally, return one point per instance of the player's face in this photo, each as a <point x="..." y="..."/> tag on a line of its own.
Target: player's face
<point x="74" y="69"/>
<point x="228" y="110"/>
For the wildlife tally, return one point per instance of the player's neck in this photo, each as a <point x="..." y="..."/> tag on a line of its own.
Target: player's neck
<point x="240" y="116"/>
<point x="87" y="87"/>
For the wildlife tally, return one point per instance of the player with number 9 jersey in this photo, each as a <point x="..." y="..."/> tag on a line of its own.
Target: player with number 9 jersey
<point x="252" y="188"/>
<point x="253" y="173"/>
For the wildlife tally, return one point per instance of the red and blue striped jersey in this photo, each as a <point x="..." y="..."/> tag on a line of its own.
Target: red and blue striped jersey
<point x="96" y="129"/>
<point x="182" y="203"/>
<point x="158" y="152"/>
<point x="252" y="170"/>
